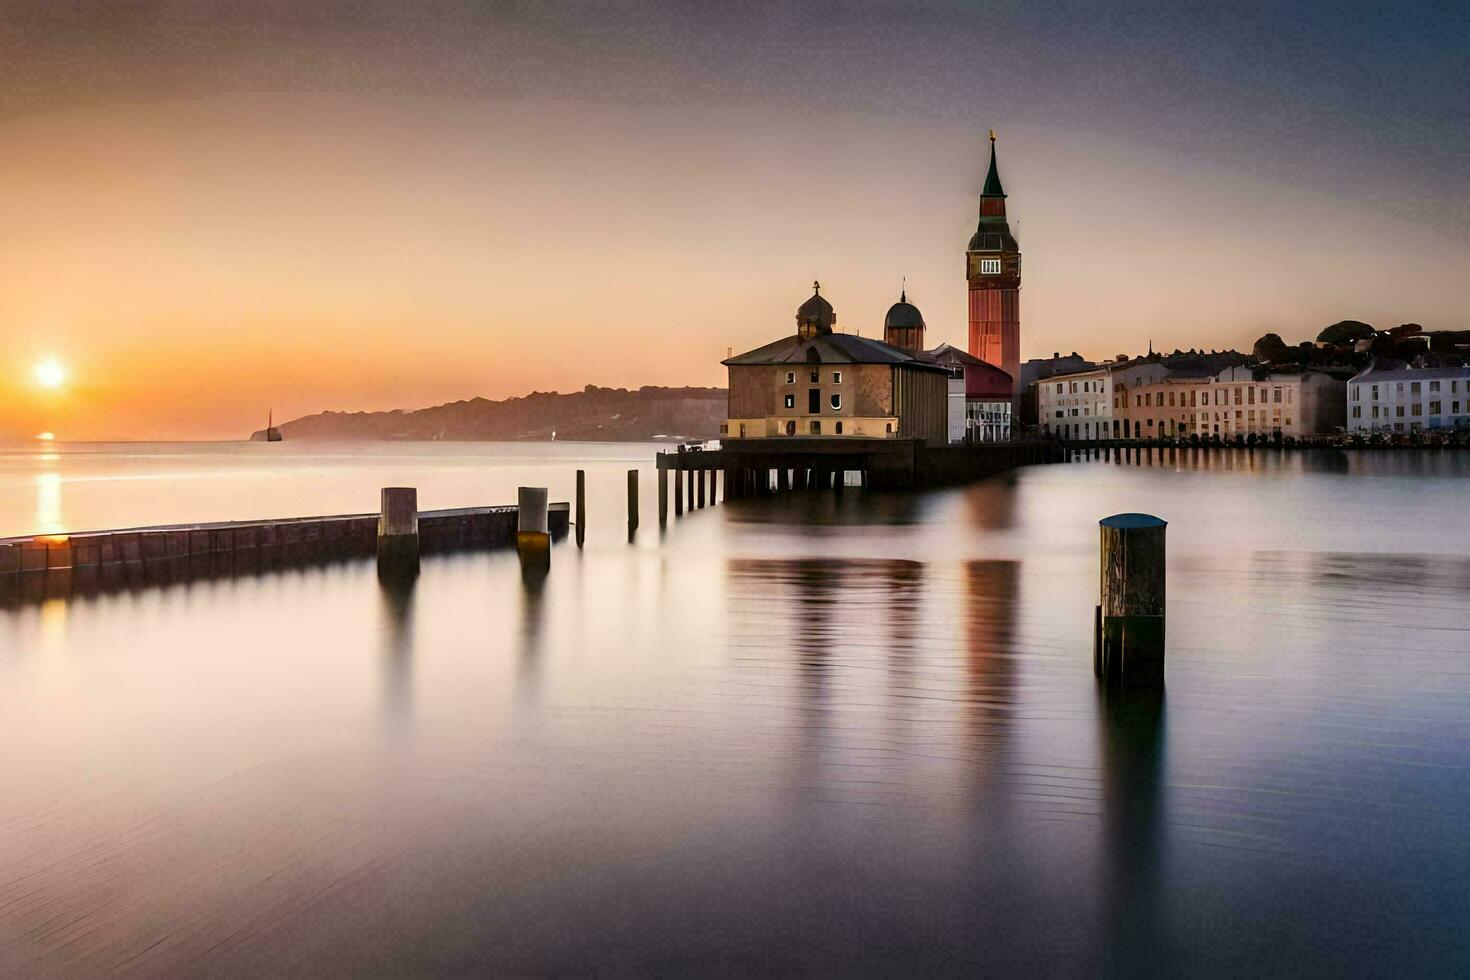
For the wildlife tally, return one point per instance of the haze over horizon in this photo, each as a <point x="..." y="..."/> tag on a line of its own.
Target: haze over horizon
<point x="215" y="210"/>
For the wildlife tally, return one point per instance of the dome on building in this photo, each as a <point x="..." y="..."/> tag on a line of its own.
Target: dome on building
<point x="816" y="315"/>
<point x="903" y="314"/>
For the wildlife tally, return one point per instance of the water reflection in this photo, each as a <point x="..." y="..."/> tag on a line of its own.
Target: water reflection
<point x="396" y="599"/>
<point x="534" y="572"/>
<point x="48" y="519"/>
<point x="1131" y="745"/>
<point x="991" y="595"/>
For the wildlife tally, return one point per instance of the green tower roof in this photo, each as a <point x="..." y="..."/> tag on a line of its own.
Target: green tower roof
<point x="992" y="179"/>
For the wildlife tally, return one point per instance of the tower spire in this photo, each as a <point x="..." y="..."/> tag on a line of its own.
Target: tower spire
<point x="992" y="178"/>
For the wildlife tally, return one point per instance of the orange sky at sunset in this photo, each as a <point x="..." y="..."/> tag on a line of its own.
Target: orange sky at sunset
<point x="196" y="262"/>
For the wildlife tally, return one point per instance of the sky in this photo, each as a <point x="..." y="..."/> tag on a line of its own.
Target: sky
<point x="216" y="210"/>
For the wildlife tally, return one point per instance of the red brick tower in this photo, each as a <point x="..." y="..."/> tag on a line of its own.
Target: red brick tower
<point x="993" y="266"/>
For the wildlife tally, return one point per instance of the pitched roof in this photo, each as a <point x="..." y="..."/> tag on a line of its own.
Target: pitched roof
<point x="982" y="379"/>
<point x="1401" y="372"/>
<point x="830" y="348"/>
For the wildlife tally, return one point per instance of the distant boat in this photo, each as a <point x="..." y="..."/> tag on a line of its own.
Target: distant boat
<point x="272" y="434"/>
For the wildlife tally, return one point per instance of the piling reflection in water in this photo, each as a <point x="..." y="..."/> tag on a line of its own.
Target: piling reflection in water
<point x="397" y="600"/>
<point x="1131" y="745"/>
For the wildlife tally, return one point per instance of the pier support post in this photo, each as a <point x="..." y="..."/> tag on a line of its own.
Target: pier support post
<point x="689" y="488"/>
<point x="663" y="496"/>
<point x="581" y="507"/>
<point x="398" y="532"/>
<point x="714" y="487"/>
<point x="632" y="503"/>
<point x="533" y="528"/>
<point x="678" y="493"/>
<point x="1128" y="630"/>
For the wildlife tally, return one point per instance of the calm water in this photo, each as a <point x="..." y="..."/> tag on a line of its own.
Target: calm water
<point x="854" y="734"/>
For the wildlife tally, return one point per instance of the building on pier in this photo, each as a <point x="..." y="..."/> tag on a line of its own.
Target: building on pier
<point x="823" y="383"/>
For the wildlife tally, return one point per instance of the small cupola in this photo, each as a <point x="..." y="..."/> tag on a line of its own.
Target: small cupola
<point x="815" y="316"/>
<point x="904" y="325"/>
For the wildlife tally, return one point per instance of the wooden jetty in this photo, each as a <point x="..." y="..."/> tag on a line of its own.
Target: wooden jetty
<point x="175" y="552"/>
<point x="754" y="467"/>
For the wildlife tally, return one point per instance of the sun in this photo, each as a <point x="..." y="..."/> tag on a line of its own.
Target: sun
<point x="50" y="373"/>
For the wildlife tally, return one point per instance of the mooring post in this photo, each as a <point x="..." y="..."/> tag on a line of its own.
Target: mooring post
<point x="581" y="507"/>
<point x="1128" y="630"/>
<point x="533" y="528"/>
<point x="663" y="496"/>
<point x="398" y="532"/>
<point x="632" y="502"/>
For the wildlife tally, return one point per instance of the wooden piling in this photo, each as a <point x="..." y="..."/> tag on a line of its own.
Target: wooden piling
<point x="533" y="527"/>
<point x="714" y="487"/>
<point x="701" y="488"/>
<point x="581" y="507"/>
<point x="663" y="496"/>
<point x="1129" y="624"/>
<point x="398" y="532"/>
<point x="632" y="502"/>
<point x="678" y="493"/>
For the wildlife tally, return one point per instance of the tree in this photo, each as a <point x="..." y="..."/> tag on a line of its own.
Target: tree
<point x="1345" y="332"/>
<point x="1271" y="349"/>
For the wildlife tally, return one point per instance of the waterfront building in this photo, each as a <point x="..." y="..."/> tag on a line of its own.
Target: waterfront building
<point x="1080" y="405"/>
<point x="981" y="410"/>
<point x="1398" y="399"/>
<point x="1240" y="401"/>
<point x="1038" y="369"/>
<point x="824" y="383"/>
<point x="993" y="269"/>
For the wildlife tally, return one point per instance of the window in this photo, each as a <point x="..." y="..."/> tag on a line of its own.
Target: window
<point x="791" y="427"/>
<point x="1433" y="406"/>
<point x="1237" y="396"/>
<point x="814" y="401"/>
<point x="816" y="428"/>
<point x="837" y="377"/>
<point x="1414" y="387"/>
<point x="1355" y="393"/>
<point x="1250" y="396"/>
<point x="816" y="376"/>
<point x="1418" y="407"/>
<point x="1059" y="387"/>
<point x="836" y="403"/>
<point x="1398" y="411"/>
<point x="790" y="401"/>
<point x="990" y="267"/>
<point x="1433" y="386"/>
<point x="839" y="428"/>
<point x="791" y="377"/>
<point x="1375" y="393"/>
<point x="888" y="428"/>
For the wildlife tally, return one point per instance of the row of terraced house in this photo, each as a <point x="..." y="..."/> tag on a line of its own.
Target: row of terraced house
<point x="1148" y="399"/>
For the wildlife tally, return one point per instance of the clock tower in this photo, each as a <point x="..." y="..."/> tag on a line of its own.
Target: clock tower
<point x="993" y="267"/>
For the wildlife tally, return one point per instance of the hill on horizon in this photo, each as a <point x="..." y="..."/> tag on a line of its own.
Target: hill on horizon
<point x="592" y="415"/>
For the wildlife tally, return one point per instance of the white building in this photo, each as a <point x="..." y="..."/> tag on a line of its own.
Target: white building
<point x="1408" y="399"/>
<point x="1080" y="405"/>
